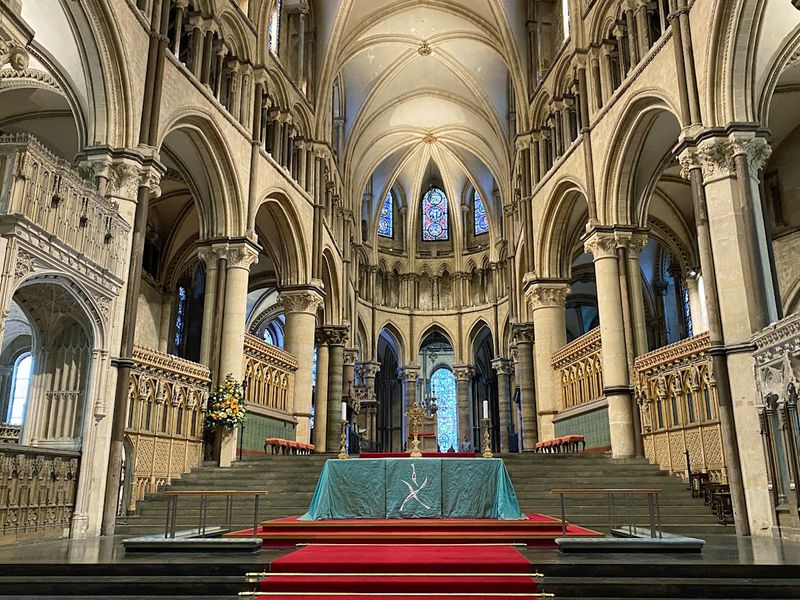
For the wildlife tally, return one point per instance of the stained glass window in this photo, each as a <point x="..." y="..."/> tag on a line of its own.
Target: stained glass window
<point x="443" y="387"/>
<point x="687" y="312"/>
<point x="481" y="224"/>
<point x="434" y="216"/>
<point x="180" y="318"/>
<point x="386" y="222"/>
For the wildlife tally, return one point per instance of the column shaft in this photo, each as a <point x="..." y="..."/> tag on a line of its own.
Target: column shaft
<point x="523" y="339"/>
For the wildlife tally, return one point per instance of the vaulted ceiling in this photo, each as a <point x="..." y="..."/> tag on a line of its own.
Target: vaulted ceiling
<point x="424" y="80"/>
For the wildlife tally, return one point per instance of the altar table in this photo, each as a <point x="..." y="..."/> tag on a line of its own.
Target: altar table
<point x="414" y="488"/>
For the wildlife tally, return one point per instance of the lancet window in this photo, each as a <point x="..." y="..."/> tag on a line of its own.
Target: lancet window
<point x="434" y="216"/>
<point x="386" y="219"/>
<point x="479" y="209"/>
<point x="443" y="387"/>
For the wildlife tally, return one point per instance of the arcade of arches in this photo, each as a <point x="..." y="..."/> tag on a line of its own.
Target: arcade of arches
<point x="580" y="214"/>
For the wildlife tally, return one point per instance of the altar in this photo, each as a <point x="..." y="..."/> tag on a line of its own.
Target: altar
<point x="414" y="488"/>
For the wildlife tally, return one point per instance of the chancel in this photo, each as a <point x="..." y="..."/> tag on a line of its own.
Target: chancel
<point x="444" y="292"/>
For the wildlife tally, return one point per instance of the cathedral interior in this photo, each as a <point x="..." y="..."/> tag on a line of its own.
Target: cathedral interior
<point x="535" y="219"/>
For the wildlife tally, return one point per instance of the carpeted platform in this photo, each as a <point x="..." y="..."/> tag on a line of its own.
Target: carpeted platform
<point x="536" y="530"/>
<point x="489" y="571"/>
<point x="424" y="455"/>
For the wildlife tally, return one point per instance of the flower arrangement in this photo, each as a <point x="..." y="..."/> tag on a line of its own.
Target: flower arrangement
<point x="225" y="405"/>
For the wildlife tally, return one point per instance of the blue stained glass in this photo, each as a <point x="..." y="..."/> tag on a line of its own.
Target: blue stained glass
<point x="180" y="318"/>
<point x="481" y="224"/>
<point x="434" y="216"/>
<point x="687" y="312"/>
<point x="386" y="222"/>
<point x="443" y="385"/>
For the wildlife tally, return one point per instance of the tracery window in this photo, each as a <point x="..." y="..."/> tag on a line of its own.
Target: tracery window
<point x="275" y="28"/>
<point x="443" y="387"/>
<point x="479" y="210"/>
<point x="434" y="216"/>
<point x="386" y="222"/>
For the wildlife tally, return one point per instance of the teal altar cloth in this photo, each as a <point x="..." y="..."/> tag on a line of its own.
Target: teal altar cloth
<point x="414" y="488"/>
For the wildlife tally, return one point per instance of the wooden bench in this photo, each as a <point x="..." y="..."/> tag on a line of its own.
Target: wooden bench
<point x="565" y="443"/>
<point x="282" y="446"/>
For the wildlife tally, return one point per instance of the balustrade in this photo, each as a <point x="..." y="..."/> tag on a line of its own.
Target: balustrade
<point x="9" y="434"/>
<point x="47" y="191"/>
<point x="777" y="359"/>
<point x="37" y="492"/>
<point x="269" y="373"/>
<point x="166" y="407"/>
<point x="677" y="398"/>
<point x="580" y="370"/>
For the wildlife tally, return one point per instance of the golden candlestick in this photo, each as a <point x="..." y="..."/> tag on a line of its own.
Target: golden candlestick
<point x="343" y="447"/>
<point x="415" y="416"/>
<point x="487" y="443"/>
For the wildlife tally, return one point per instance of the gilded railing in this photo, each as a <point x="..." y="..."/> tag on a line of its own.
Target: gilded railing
<point x="9" y="434"/>
<point x="269" y="373"/>
<point x="37" y="492"/>
<point x="49" y="192"/>
<point x="677" y="398"/>
<point x="166" y="406"/>
<point x="579" y="370"/>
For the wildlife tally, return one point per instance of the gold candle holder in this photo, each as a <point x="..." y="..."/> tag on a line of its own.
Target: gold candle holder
<point x="487" y="443"/>
<point x="343" y="448"/>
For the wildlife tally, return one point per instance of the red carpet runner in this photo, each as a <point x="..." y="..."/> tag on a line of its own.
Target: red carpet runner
<point x="351" y="572"/>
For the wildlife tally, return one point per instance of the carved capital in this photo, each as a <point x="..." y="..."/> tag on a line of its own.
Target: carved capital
<point x="369" y="369"/>
<point x="756" y="149"/>
<point x="241" y="256"/>
<point x="551" y="294"/>
<point x="409" y="373"/>
<point x="305" y="300"/>
<point x="463" y="372"/>
<point x="334" y="335"/>
<point x="716" y="157"/>
<point x="350" y="356"/>
<point x="502" y="366"/>
<point x="522" y="333"/>
<point x="601" y="244"/>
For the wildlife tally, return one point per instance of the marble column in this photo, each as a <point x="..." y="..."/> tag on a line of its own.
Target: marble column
<point x="546" y="302"/>
<point x="300" y="305"/>
<point x="408" y="376"/>
<point x="240" y="257"/>
<point x="523" y="339"/>
<point x="321" y="392"/>
<point x="464" y="375"/>
<point x="336" y="337"/>
<point x="502" y="367"/>
<point x="602" y="245"/>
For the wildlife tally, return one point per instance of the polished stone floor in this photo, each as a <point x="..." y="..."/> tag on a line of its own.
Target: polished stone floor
<point x="721" y="550"/>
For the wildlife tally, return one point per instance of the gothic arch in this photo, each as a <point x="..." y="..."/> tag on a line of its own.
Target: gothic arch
<point x="330" y="281"/>
<point x="563" y="220"/>
<point x="281" y="233"/>
<point x="395" y="339"/>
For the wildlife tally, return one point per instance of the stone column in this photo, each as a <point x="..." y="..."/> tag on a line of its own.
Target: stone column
<point x="369" y="371"/>
<point x="464" y="375"/>
<point x="695" y="302"/>
<point x="503" y="368"/>
<point x="240" y="257"/>
<point x="547" y="300"/>
<point x="602" y="245"/>
<point x="321" y="405"/>
<point x="209" y="258"/>
<point x="348" y="370"/>
<point x="300" y="305"/>
<point x="336" y="337"/>
<point x="523" y="339"/>
<point x="638" y="316"/>
<point x="300" y="77"/>
<point x="408" y="376"/>
<point x="723" y="172"/>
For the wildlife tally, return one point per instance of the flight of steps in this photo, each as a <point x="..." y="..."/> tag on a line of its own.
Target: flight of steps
<point x="290" y="481"/>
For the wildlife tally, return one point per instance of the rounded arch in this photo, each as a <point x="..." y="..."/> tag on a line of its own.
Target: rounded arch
<point x="647" y="132"/>
<point x="280" y="232"/>
<point x="193" y="134"/>
<point x="564" y="218"/>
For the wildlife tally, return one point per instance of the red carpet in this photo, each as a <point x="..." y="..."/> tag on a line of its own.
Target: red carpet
<point x="536" y="530"/>
<point x="400" y="571"/>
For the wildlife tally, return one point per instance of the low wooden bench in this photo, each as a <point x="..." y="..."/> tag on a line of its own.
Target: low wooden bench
<point x="565" y="443"/>
<point x="283" y="446"/>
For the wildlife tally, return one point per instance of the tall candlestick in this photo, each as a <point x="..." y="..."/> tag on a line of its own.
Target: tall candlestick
<point x="485" y="409"/>
<point x="344" y="411"/>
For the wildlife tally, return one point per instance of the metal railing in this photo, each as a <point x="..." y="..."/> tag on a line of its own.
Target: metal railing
<point x="629" y="504"/>
<point x="172" y="508"/>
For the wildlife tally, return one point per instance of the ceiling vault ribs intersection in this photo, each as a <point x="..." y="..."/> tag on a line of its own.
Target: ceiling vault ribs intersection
<point x="416" y="69"/>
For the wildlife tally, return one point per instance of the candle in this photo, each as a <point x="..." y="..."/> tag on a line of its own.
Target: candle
<point x="485" y="409"/>
<point x="344" y="411"/>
